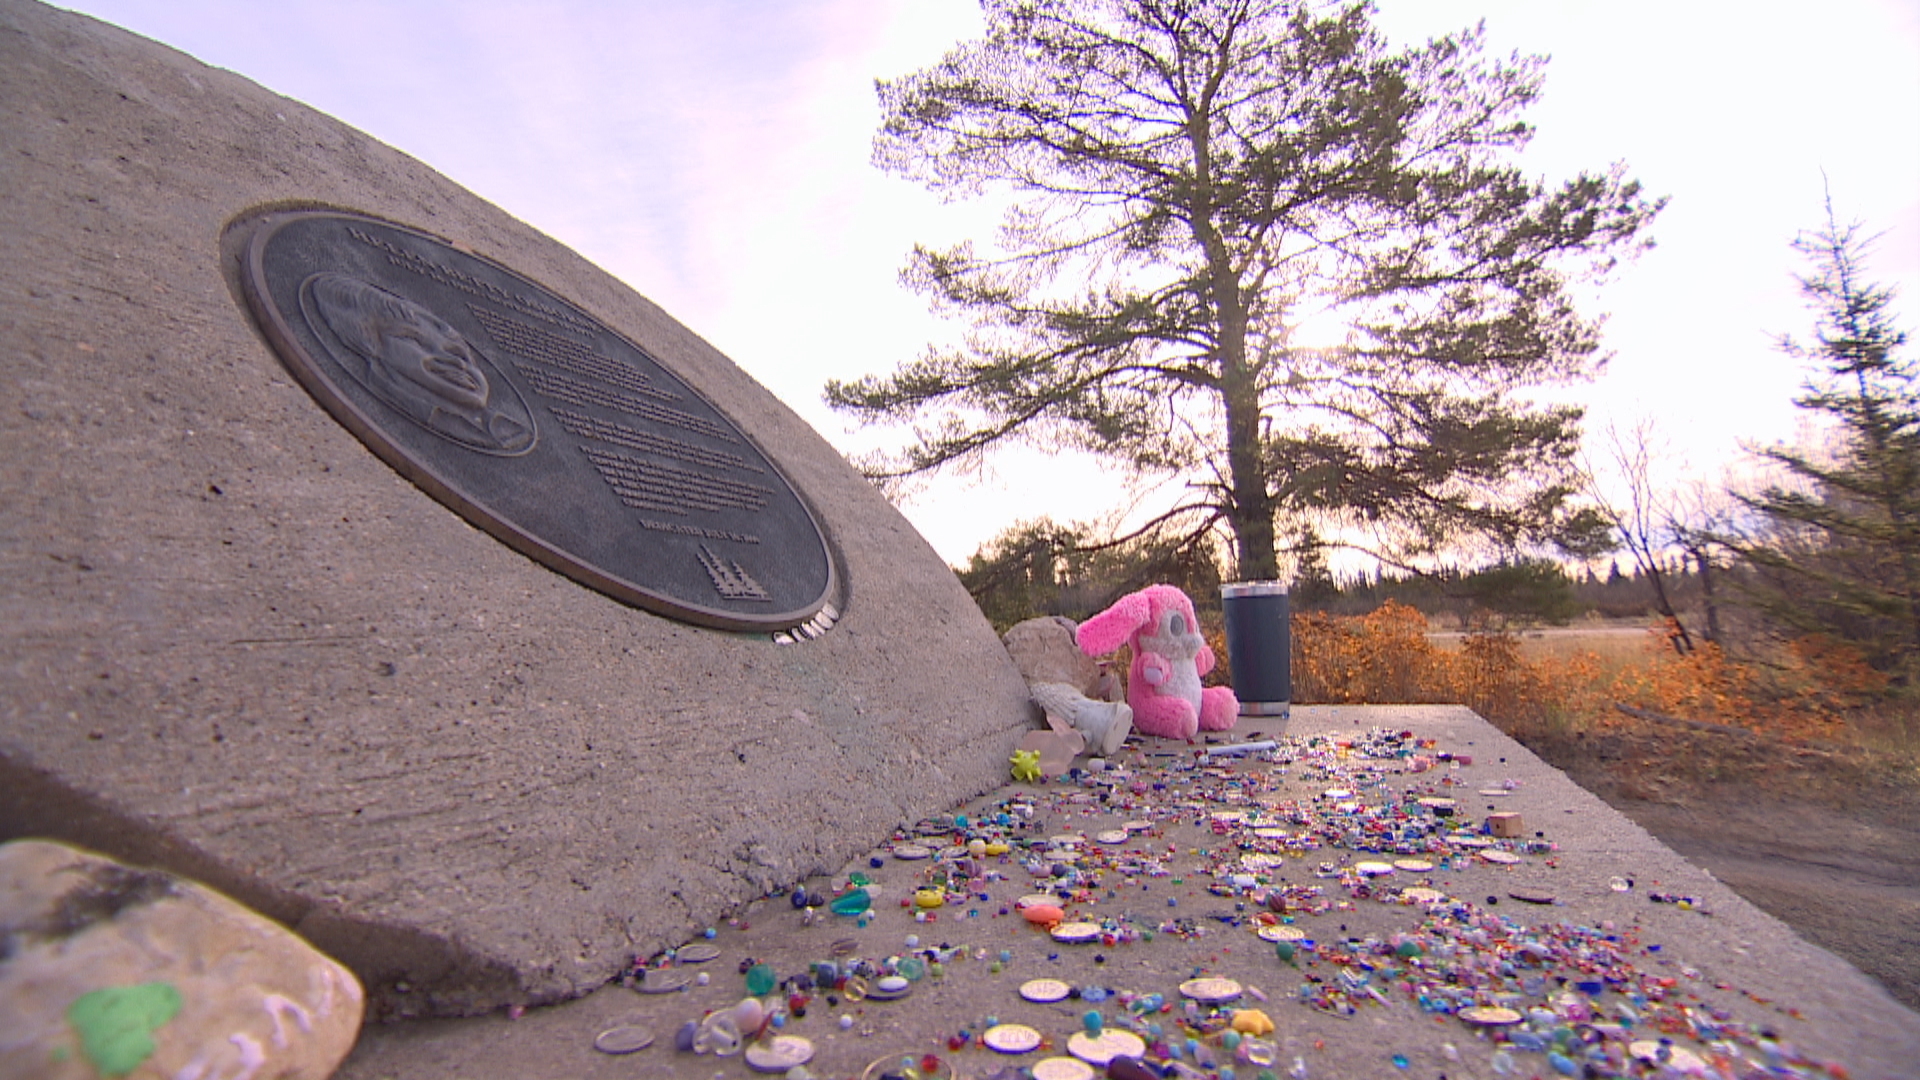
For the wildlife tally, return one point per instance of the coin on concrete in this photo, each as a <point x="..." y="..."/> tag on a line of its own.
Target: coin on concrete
<point x="778" y="1054"/>
<point x="1062" y="1068"/>
<point x="1076" y="933"/>
<point x="1044" y="990"/>
<point x="1112" y="836"/>
<point x="1010" y="1038"/>
<point x="1420" y="894"/>
<point x="697" y="953"/>
<point x="1104" y="1047"/>
<point x="890" y="988"/>
<point x="1503" y="858"/>
<point x="1282" y="933"/>
<point x="1413" y="866"/>
<point x="1209" y="991"/>
<point x="1681" y="1060"/>
<point x="911" y="851"/>
<point x="1489" y="1015"/>
<point x="1373" y="869"/>
<point x="1531" y="896"/>
<point x="663" y="981"/>
<point x="624" y="1039"/>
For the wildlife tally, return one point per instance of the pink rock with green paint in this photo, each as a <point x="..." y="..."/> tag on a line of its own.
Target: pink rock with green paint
<point x="115" y="971"/>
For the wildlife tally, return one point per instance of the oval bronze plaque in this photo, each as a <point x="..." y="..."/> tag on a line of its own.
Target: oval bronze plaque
<point x="537" y="423"/>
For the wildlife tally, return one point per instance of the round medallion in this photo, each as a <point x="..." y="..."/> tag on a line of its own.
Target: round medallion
<point x="1490" y="1015"/>
<point x="1210" y="991"/>
<point x="1104" y="1047"/>
<point x="1045" y="991"/>
<point x="538" y="423"/>
<point x="778" y="1054"/>
<point x="1011" y="1038"/>
<point x="1062" y="1068"/>
<point x="625" y="1039"/>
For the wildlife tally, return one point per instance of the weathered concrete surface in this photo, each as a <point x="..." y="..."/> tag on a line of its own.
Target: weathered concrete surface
<point x="1726" y="958"/>
<point x="234" y="644"/>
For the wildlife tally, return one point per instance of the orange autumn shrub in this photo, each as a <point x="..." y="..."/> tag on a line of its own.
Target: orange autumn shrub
<point x="1386" y="657"/>
<point x="1379" y="657"/>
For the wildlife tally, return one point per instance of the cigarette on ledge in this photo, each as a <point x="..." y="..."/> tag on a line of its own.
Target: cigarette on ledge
<point x="1242" y="748"/>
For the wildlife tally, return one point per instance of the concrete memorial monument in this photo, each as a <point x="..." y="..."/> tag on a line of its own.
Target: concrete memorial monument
<point x="377" y="560"/>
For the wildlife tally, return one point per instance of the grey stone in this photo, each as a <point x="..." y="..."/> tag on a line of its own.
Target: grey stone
<point x="1044" y="651"/>
<point x="235" y="644"/>
<point x="112" y="970"/>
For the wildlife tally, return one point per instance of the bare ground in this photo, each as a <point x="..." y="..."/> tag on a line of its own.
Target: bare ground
<point x="1826" y="840"/>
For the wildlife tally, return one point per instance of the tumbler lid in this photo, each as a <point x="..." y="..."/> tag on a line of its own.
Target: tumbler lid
<point x="1253" y="588"/>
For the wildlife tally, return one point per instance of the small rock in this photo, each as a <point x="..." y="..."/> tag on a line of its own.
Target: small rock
<point x="1044" y="651"/>
<point x="123" y="972"/>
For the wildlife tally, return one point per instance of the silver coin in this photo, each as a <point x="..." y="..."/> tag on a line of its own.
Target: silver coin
<point x="1062" y="1068"/>
<point x="778" y="1054"/>
<point x="697" y="953"/>
<point x="659" y="981"/>
<point x="1044" y="991"/>
<point x="1010" y="1038"/>
<point x="1104" y="1047"/>
<point x="623" y="1040"/>
<point x="1210" y="991"/>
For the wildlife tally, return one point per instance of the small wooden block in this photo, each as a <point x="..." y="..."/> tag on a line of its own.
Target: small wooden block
<point x="1506" y="825"/>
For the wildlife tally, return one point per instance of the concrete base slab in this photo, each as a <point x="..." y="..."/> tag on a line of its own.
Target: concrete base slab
<point x="235" y="644"/>
<point x="1718" y="961"/>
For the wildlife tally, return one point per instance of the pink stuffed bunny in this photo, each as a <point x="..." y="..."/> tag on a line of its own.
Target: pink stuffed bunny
<point x="1169" y="656"/>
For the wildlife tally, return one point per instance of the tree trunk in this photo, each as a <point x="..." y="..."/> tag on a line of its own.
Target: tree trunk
<point x="1252" y="518"/>
<point x="1705" y="563"/>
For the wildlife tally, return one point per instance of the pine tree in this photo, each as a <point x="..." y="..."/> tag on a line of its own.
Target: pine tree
<point x="1195" y="179"/>
<point x="1841" y="554"/>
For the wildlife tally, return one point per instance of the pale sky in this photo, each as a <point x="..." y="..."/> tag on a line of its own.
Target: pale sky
<point x="713" y="154"/>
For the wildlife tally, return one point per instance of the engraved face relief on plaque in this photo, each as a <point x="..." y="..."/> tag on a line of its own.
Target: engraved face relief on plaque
<point x="539" y="424"/>
<point x="412" y="360"/>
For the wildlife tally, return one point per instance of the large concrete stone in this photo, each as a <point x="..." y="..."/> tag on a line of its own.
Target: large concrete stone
<point x="235" y="644"/>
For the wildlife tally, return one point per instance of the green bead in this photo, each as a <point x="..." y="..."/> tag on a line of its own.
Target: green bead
<point x="851" y="902"/>
<point x="760" y="980"/>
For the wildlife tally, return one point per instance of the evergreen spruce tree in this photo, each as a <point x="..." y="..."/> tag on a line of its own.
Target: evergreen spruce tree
<point x="1841" y="555"/>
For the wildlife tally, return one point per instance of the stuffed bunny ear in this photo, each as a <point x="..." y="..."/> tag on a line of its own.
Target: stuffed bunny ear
<point x="1110" y="629"/>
